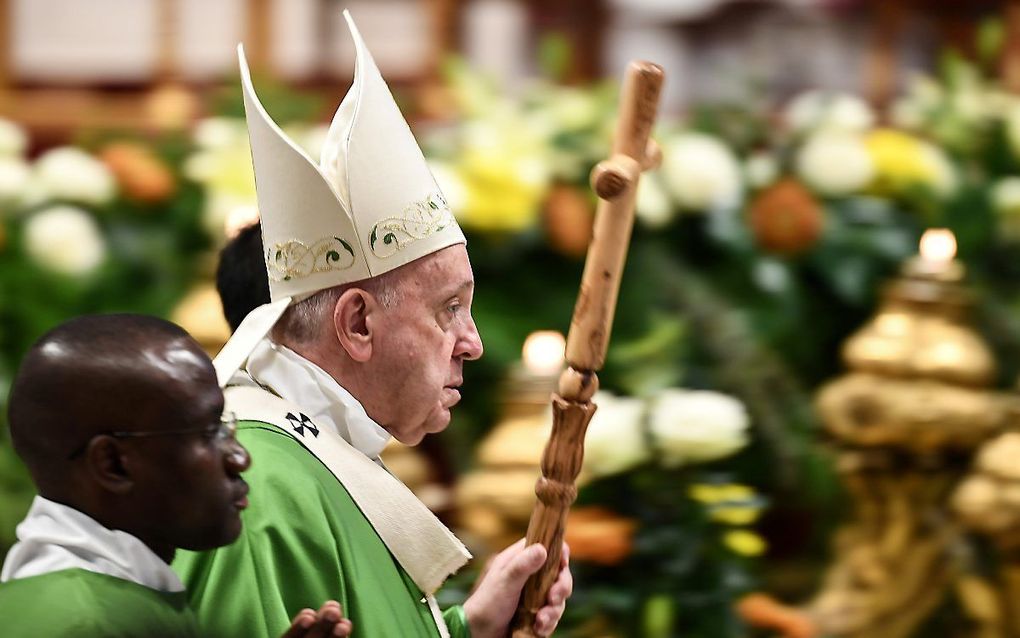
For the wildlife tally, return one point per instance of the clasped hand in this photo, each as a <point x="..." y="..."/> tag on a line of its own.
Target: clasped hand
<point x="492" y="605"/>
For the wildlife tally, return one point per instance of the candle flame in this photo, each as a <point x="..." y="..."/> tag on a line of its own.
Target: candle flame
<point x="543" y="352"/>
<point x="938" y="244"/>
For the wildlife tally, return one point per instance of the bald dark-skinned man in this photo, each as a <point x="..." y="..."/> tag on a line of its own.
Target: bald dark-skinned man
<point x="120" y="421"/>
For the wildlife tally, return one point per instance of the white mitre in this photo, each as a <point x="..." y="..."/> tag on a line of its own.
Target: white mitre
<point x="370" y="205"/>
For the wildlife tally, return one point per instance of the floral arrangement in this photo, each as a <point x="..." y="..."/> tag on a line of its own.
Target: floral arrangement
<point x="662" y="541"/>
<point x="761" y="243"/>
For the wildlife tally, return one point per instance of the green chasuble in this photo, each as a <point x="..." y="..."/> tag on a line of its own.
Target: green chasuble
<point x="75" y="603"/>
<point x="304" y="542"/>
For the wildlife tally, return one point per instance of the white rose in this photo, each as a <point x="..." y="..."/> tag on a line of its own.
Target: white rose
<point x="701" y="172"/>
<point x="834" y="163"/>
<point x="848" y="113"/>
<point x="15" y="176"/>
<point x="573" y="109"/>
<point x="819" y="110"/>
<point x="1006" y="202"/>
<point x="926" y="90"/>
<point x="652" y="206"/>
<point x="615" y="441"/>
<point x="65" y="239"/>
<point x="13" y="139"/>
<point x="907" y="114"/>
<point x="72" y="174"/>
<point x="1006" y="196"/>
<point x="221" y="207"/>
<point x="804" y="110"/>
<point x="217" y="132"/>
<point x="200" y="166"/>
<point x="697" y="426"/>
<point x="761" y="169"/>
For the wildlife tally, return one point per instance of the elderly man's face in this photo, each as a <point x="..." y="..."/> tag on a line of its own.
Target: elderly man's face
<point x="425" y="338"/>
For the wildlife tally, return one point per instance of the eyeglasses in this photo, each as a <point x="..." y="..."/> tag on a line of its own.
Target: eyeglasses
<point x="220" y="432"/>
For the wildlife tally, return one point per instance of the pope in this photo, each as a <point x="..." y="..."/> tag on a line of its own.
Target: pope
<point x="364" y="339"/>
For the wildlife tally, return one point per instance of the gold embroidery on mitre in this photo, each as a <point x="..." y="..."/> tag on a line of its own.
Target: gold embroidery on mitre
<point x="291" y="259"/>
<point x="418" y="221"/>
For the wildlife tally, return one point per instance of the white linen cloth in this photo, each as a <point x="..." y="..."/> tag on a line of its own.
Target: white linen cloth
<point x="54" y="537"/>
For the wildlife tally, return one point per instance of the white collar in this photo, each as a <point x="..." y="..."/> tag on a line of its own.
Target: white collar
<point x="320" y="397"/>
<point x="54" y="537"/>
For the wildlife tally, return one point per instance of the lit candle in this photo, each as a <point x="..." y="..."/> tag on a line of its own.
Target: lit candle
<point x="543" y="352"/>
<point x="937" y="248"/>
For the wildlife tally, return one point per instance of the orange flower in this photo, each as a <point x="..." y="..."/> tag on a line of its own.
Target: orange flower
<point x="785" y="218"/>
<point x="568" y="220"/>
<point x="142" y="175"/>
<point x="598" y="535"/>
<point x="763" y="611"/>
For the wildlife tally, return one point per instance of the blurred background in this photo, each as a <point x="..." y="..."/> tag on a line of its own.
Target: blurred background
<point x="808" y="419"/>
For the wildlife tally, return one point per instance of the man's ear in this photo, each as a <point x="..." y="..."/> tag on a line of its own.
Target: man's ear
<point x="352" y="321"/>
<point x="108" y="465"/>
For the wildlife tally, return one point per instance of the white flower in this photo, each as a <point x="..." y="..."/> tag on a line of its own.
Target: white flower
<point x="15" y="176"/>
<point x="907" y="114"/>
<point x="942" y="174"/>
<point x="761" y="169"/>
<point x="217" y="132"/>
<point x="771" y="275"/>
<point x="13" y="139"/>
<point x="926" y="90"/>
<point x="1006" y="201"/>
<point x="1006" y="196"/>
<point x="572" y="109"/>
<point x="65" y="239"/>
<point x="200" y="166"/>
<point x="72" y="174"/>
<point x="697" y="426"/>
<point x="615" y="441"/>
<point x="701" y="172"/>
<point x="652" y="206"/>
<point x="835" y="163"/>
<point x="813" y="110"/>
<point x="221" y="207"/>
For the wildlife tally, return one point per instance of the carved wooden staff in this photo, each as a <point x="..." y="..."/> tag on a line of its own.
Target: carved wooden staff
<point x="615" y="180"/>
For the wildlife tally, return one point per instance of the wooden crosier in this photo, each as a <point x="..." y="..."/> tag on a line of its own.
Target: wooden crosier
<point x="615" y="180"/>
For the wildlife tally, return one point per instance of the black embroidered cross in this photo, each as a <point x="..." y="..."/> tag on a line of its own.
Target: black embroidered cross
<point x="300" y="422"/>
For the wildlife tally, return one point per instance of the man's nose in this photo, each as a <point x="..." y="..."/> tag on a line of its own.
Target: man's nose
<point x="470" y="344"/>
<point x="235" y="457"/>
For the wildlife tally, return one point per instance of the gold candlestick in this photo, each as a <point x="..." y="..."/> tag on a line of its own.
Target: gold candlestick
<point x="904" y="422"/>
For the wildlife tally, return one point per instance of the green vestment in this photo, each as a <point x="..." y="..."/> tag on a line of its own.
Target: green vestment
<point x="304" y="542"/>
<point x="75" y="603"/>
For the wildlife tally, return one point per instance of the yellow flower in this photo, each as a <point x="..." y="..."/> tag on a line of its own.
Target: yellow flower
<point x="903" y="161"/>
<point x="713" y="493"/>
<point x="745" y="543"/>
<point x="737" y="492"/>
<point x="706" y="493"/>
<point x="501" y="193"/>
<point x="735" y="515"/>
